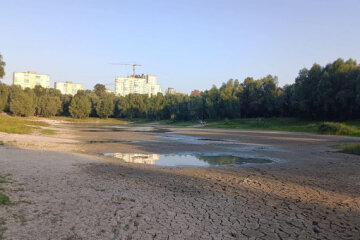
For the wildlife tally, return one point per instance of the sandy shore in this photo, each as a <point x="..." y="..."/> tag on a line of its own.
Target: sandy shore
<point x="311" y="192"/>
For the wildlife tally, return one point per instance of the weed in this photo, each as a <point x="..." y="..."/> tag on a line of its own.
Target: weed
<point x="4" y="200"/>
<point x="349" y="148"/>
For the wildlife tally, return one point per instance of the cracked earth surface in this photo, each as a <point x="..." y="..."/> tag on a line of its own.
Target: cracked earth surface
<point x="311" y="193"/>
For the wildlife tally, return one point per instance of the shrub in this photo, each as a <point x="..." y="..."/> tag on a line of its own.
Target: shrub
<point x="337" y="129"/>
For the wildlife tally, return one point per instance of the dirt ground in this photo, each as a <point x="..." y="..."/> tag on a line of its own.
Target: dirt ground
<point x="63" y="189"/>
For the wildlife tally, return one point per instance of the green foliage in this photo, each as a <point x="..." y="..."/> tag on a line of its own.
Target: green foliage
<point x="4" y="97"/>
<point x="47" y="101"/>
<point x="99" y="89"/>
<point x="21" y="103"/>
<point x="334" y="128"/>
<point x="4" y="200"/>
<point x="330" y="92"/>
<point x="105" y="107"/>
<point x="80" y="106"/>
<point x="349" y="148"/>
<point x="2" y="67"/>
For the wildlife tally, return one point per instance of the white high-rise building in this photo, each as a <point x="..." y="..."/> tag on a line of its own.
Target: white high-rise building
<point x="141" y="84"/>
<point x="68" y="87"/>
<point x="31" y="79"/>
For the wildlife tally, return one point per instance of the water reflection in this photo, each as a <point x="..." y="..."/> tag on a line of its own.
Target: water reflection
<point x="173" y="160"/>
<point x="135" y="157"/>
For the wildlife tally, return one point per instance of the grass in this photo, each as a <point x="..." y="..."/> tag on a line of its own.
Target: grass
<point x="280" y="124"/>
<point x="4" y="200"/>
<point x="349" y="148"/>
<point x="334" y="128"/>
<point x="19" y="125"/>
<point x="351" y="128"/>
<point x="48" y="131"/>
<point x="92" y="120"/>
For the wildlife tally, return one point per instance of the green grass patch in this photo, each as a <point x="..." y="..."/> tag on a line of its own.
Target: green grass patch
<point x="19" y="125"/>
<point x="348" y="148"/>
<point x="334" y="128"/>
<point x="48" y="131"/>
<point x="92" y="120"/>
<point x="350" y="128"/>
<point x="278" y="124"/>
<point x="1" y="143"/>
<point x="4" y="200"/>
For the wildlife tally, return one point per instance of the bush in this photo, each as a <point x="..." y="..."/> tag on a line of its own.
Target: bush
<point x="337" y="129"/>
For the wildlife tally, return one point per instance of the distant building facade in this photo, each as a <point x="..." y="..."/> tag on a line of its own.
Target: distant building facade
<point x="31" y="79"/>
<point x="172" y="91"/>
<point x="68" y="87"/>
<point x="138" y="157"/>
<point x="141" y="84"/>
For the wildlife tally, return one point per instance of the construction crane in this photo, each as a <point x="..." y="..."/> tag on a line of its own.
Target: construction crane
<point x="134" y="65"/>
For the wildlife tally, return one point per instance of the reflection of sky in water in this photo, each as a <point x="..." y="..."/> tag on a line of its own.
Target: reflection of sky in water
<point x="172" y="160"/>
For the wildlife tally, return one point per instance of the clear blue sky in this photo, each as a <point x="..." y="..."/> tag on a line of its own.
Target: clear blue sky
<point x="187" y="44"/>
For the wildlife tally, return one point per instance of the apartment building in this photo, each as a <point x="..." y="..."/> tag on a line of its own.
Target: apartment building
<point x="68" y="87"/>
<point x="141" y="84"/>
<point x="31" y="79"/>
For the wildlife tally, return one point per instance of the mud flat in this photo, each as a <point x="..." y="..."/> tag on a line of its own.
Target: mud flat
<point x="66" y="190"/>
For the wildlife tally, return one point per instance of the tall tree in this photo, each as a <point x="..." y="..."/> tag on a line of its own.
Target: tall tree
<point x="80" y="106"/>
<point x="105" y="107"/>
<point x="2" y="67"/>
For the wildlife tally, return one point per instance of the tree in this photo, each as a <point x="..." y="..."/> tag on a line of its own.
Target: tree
<point x="48" y="106"/>
<point x="21" y="103"/>
<point x="80" y="106"/>
<point x="100" y="89"/>
<point x="105" y="107"/>
<point x="2" y="67"/>
<point x="4" y="97"/>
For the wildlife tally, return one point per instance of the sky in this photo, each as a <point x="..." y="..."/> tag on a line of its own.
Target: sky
<point x="188" y="44"/>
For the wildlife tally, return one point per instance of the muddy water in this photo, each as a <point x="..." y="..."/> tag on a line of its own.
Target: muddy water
<point x="163" y="147"/>
<point x="185" y="160"/>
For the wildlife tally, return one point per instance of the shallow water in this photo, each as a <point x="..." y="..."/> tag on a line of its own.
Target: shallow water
<point x="186" y="160"/>
<point x="115" y="128"/>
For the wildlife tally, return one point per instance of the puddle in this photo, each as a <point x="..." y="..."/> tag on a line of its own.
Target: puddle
<point x="127" y="129"/>
<point x="186" y="160"/>
<point x="108" y="141"/>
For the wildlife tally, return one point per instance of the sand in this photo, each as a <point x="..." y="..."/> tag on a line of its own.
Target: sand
<point x="65" y="190"/>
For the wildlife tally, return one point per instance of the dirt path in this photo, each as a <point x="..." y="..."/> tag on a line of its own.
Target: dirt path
<point x="310" y="193"/>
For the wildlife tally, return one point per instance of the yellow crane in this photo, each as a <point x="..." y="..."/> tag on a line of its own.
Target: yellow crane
<point x="134" y="65"/>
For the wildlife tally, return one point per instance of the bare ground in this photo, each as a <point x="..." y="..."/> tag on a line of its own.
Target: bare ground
<point x="311" y="192"/>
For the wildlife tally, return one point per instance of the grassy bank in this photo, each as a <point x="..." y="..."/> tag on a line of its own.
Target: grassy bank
<point x="92" y="120"/>
<point x="281" y="124"/>
<point x="19" y="125"/>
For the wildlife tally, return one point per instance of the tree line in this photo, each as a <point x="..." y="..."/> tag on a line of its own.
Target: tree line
<point x="331" y="92"/>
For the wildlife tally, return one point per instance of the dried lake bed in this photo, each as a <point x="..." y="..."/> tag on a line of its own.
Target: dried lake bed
<point x="90" y="182"/>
